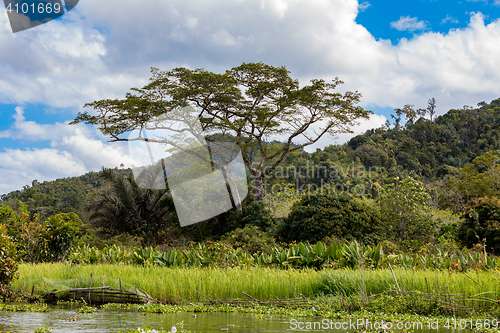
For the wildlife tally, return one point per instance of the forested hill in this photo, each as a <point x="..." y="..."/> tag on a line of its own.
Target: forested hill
<point x="59" y="196"/>
<point x="423" y="148"/>
<point x="431" y="147"/>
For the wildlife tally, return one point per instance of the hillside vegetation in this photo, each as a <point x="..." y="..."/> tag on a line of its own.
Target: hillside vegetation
<point x="414" y="182"/>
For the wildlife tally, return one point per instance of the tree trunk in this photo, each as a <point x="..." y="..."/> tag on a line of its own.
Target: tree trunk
<point x="234" y="188"/>
<point x="258" y="185"/>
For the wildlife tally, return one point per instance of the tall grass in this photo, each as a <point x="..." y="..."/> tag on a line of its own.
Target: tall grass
<point x="172" y="284"/>
<point x="481" y="287"/>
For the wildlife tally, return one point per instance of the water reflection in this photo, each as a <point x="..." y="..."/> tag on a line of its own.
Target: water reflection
<point x="60" y="319"/>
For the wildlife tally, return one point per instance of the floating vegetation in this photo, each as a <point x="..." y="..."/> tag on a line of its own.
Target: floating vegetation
<point x="24" y="307"/>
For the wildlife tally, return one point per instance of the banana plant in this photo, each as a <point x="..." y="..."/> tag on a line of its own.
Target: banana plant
<point x="351" y="255"/>
<point x="194" y="258"/>
<point x="144" y="257"/>
<point x="491" y="263"/>
<point x="407" y="261"/>
<point x="171" y="258"/>
<point x="374" y="257"/>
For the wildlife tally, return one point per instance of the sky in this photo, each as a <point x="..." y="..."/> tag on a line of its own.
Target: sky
<point x="392" y="52"/>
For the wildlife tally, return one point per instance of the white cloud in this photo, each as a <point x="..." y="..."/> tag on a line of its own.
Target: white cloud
<point x="96" y="54"/>
<point x="102" y="48"/>
<point x="74" y="150"/>
<point x="224" y="38"/>
<point x="375" y="121"/>
<point x="409" y="23"/>
<point x="456" y="65"/>
<point x="32" y="131"/>
<point x="20" y="167"/>
<point x="364" y="6"/>
<point x="450" y="19"/>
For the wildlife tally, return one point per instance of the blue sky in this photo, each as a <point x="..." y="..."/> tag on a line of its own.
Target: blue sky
<point x="393" y="52"/>
<point x="416" y="16"/>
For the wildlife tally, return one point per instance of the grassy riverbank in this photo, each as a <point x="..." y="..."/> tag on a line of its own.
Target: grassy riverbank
<point x="173" y="284"/>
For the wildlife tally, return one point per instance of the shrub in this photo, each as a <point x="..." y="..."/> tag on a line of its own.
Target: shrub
<point x="8" y="257"/>
<point x="279" y="203"/>
<point x="256" y="214"/>
<point x="6" y="213"/>
<point x="61" y="232"/>
<point x="125" y="206"/>
<point x="403" y="205"/>
<point x="251" y="239"/>
<point x="481" y="222"/>
<point x="28" y="235"/>
<point x="322" y="215"/>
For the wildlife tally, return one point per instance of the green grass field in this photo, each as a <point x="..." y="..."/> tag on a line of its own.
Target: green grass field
<point x="172" y="284"/>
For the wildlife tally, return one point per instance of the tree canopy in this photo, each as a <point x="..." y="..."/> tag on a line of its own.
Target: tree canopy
<point x="251" y="105"/>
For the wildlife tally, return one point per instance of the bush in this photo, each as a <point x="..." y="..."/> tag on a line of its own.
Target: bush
<point x="6" y="213"/>
<point x="481" y="222"/>
<point x="61" y="232"/>
<point x="250" y="239"/>
<point x="8" y="257"/>
<point x="403" y="206"/>
<point x="254" y="213"/>
<point x="36" y="241"/>
<point x="324" y="215"/>
<point x="29" y="235"/>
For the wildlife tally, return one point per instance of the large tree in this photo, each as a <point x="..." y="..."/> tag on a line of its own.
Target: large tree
<point x="252" y="104"/>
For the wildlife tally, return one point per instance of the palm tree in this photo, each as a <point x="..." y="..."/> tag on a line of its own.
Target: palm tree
<point x="125" y="207"/>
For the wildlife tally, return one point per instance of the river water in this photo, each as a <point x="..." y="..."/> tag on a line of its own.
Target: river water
<point x="61" y="319"/>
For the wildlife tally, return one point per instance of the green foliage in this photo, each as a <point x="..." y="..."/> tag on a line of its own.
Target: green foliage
<point x="319" y="215"/>
<point x="24" y="307"/>
<point x="425" y="146"/>
<point x="6" y="213"/>
<point x="61" y="233"/>
<point x="447" y="222"/>
<point x="403" y="206"/>
<point x="8" y="257"/>
<point x="252" y="102"/>
<point x="48" y="241"/>
<point x="481" y="224"/>
<point x="30" y="236"/>
<point x="477" y="179"/>
<point x="251" y="239"/>
<point x="279" y="203"/>
<point x="59" y="196"/>
<point x="256" y="214"/>
<point x="85" y="309"/>
<point x="126" y="207"/>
